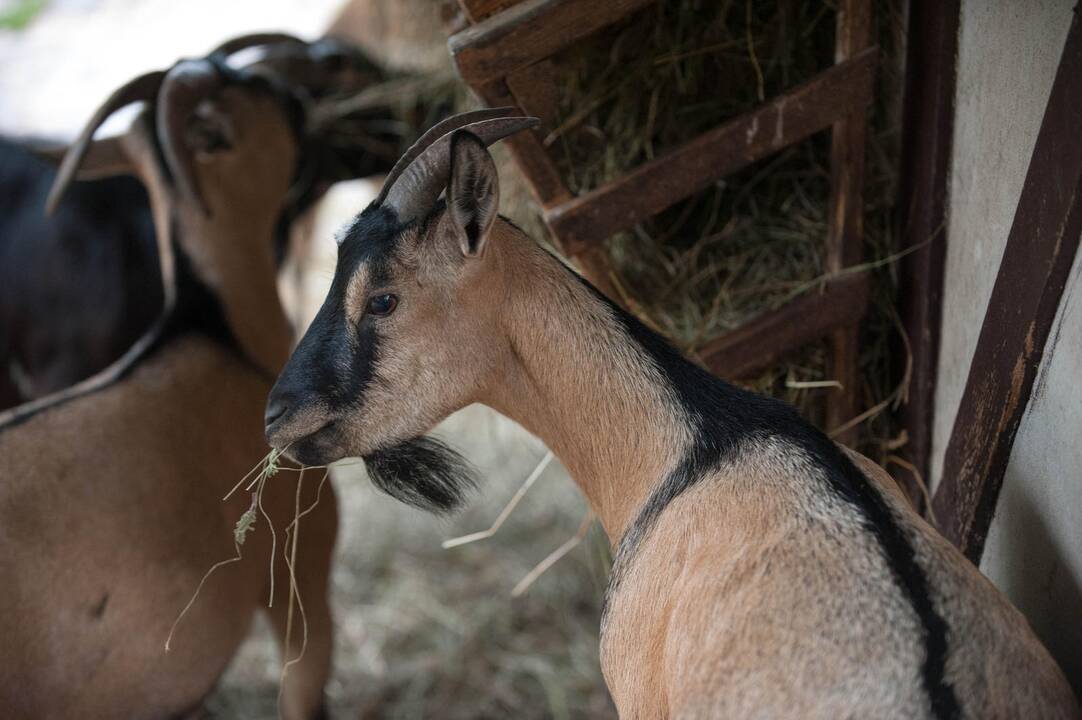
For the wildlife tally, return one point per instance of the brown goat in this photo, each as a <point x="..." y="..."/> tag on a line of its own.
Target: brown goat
<point x="53" y="334"/>
<point x="110" y="500"/>
<point x="760" y="571"/>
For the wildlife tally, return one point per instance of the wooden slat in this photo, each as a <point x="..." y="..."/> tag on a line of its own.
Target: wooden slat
<point x="656" y="185"/>
<point x="528" y="32"/>
<point x="769" y="337"/>
<point x="546" y="183"/>
<point x="478" y="10"/>
<point x="845" y="233"/>
<point x="534" y="88"/>
<point x="1041" y="248"/>
<point x="927" y="130"/>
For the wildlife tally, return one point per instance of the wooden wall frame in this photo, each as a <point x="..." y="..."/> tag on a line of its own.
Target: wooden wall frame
<point x="1037" y="260"/>
<point x="504" y="56"/>
<point x="927" y="134"/>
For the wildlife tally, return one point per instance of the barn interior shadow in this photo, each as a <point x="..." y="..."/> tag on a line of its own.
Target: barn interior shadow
<point x="1039" y="581"/>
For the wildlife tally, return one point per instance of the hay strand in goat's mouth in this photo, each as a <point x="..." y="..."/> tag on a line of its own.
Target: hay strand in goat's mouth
<point x="267" y="467"/>
<point x="245" y="524"/>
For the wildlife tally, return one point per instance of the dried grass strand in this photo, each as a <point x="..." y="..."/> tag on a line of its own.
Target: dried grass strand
<point x="554" y="557"/>
<point x="290" y="558"/>
<point x="538" y="470"/>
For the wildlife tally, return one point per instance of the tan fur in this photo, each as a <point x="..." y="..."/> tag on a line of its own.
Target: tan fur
<point x="758" y="591"/>
<point x="737" y="606"/>
<point x="110" y="504"/>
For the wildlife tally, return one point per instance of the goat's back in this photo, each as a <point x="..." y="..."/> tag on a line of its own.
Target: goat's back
<point x="758" y="594"/>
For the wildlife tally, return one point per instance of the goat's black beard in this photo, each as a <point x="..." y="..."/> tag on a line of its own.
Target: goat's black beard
<point x="424" y="473"/>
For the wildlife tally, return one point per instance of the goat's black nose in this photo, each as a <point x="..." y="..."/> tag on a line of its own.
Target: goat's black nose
<point x="277" y="406"/>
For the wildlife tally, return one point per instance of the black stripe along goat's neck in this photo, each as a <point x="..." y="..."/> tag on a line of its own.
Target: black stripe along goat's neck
<point x="576" y="379"/>
<point x="636" y="425"/>
<point x="725" y="418"/>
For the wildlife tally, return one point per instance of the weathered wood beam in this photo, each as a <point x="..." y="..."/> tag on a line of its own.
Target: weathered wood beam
<point x="1037" y="260"/>
<point x="546" y="184"/>
<point x="654" y="186"/>
<point x="530" y="31"/>
<point x="927" y="131"/>
<point x="478" y="10"/>
<point x="845" y="232"/>
<point x="769" y="337"/>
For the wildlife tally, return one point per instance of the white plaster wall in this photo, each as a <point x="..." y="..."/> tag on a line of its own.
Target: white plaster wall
<point x="1034" y="550"/>
<point x="1008" y="52"/>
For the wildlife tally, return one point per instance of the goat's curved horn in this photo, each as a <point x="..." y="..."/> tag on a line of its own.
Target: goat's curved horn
<point x="434" y="133"/>
<point x="186" y="84"/>
<point x="420" y="183"/>
<point x="243" y="42"/>
<point x="144" y="87"/>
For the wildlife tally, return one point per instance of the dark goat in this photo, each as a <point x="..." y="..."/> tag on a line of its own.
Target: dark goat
<point x="103" y="235"/>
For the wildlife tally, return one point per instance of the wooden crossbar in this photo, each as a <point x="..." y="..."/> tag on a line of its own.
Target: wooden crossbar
<point x="761" y="342"/>
<point x="530" y="31"/>
<point x="787" y="119"/>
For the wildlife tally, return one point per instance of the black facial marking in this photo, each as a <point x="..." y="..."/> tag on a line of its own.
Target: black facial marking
<point x="424" y="473"/>
<point x="725" y="417"/>
<point x="371" y="240"/>
<point x="341" y="355"/>
<point x="334" y="363"/>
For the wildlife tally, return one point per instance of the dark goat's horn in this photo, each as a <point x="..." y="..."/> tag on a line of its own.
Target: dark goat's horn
<point x="144" y="87"/>
<point x="419" y="184"/>
<point x="186" y="84"/>
<point x="434" y="133"/>
<point x="243" y="42"/>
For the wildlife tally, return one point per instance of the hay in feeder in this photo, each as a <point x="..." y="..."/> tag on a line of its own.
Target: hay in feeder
<point x="757" y="238"/>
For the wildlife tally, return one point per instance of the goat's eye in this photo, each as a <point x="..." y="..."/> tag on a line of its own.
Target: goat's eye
<point x="380" y="305"/>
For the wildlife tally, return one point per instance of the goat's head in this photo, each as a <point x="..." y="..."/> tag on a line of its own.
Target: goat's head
<point x="216" y="150"/>
<point x="408" y="332"/>
<point x="208" y="142"/>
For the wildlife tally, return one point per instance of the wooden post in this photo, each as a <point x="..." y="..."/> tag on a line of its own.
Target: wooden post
<point x="927" y="130"/>
<point x="1037" y="260"/>
<point x="845" y="236"/>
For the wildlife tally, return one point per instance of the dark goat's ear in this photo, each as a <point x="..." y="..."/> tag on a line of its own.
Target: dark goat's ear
<point x="473" y="192"/>
<point x="105" y="158"/>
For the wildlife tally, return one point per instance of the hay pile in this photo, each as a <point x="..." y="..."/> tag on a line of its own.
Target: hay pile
<point x="757" y="238"/>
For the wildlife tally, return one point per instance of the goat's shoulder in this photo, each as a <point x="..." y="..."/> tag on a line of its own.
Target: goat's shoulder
<point x="745" y="574"/>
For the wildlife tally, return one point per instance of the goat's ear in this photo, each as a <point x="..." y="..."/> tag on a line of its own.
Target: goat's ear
<point x="105" y="158"/>
<point x="473" y="192"/>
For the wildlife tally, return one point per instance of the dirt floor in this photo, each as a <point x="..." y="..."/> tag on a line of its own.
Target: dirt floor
<point x="422" y="631"/>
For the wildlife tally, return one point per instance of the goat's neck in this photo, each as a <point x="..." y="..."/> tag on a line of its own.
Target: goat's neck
<point x="235" y="258"/>
<point x="578" y="380"/>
